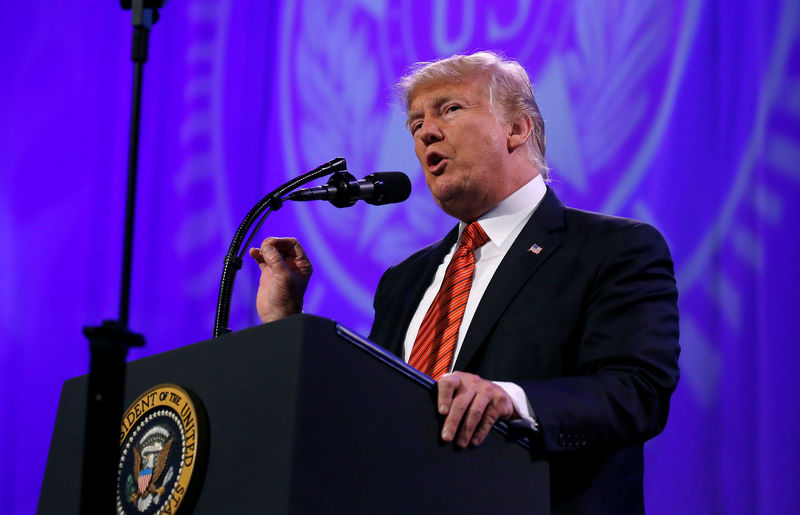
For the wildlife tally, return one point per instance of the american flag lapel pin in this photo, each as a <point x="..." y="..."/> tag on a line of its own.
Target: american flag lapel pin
<point x="535" y="249"/>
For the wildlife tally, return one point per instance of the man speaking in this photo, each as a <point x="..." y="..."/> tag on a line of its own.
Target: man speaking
<point x="557" y="319"/>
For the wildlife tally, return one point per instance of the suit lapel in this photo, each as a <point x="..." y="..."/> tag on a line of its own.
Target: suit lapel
<point x="517" y="267"/>
<point x="419" y="279"/>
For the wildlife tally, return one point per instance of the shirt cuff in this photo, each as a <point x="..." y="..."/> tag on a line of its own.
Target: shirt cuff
<point x="527" y="418"/>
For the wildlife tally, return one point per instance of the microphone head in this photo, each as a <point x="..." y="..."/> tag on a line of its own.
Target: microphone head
<point x="390" y="187"/>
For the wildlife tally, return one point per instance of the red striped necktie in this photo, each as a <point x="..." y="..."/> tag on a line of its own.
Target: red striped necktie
<point x="436" y="340"/>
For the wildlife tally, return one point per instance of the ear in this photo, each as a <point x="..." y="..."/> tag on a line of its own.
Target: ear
<point x="519" y="131"/>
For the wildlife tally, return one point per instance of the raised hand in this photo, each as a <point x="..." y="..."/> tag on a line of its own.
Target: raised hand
<point x="285" y="271"/>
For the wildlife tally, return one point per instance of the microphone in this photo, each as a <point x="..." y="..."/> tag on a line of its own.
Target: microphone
<point x="343" y="190"/>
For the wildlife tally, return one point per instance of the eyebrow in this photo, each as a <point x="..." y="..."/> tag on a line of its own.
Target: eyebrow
<point x="437" y="102"/>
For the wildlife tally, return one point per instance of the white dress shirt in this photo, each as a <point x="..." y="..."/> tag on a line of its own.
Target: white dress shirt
<point x="502" y="224"/>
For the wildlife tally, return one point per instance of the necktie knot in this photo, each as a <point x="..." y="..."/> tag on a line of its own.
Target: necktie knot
<point x="474" y="237"/>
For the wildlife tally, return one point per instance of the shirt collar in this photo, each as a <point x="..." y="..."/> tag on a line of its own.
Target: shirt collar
<point x="501" y="221"/>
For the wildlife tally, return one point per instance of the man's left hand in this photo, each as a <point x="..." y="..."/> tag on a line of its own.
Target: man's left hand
<point x="473" y="403"/>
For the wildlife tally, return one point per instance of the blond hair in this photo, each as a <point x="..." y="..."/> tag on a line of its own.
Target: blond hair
<point x="509" y="90"/>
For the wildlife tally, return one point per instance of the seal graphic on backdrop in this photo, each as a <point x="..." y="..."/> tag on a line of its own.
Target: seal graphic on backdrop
<point x="614" y="66"/>
<point x="160" y="452"/>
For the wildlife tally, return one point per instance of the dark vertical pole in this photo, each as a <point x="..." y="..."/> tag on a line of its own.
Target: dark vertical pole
<point x="143" y="19"/>
<point x="130" y="200"/>
<point x="109" y="342"/>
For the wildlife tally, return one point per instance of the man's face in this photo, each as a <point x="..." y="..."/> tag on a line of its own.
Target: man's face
<point x="462" y="145"/>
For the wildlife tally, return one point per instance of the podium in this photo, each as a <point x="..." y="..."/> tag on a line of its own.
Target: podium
<point x="306" y="417"/>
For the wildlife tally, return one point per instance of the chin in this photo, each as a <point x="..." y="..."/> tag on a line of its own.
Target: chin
<point x="458" y="210"/>
<point x="456" y="202"/>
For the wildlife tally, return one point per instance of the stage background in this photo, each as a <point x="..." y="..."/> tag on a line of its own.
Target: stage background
<point x="685" y="114"/>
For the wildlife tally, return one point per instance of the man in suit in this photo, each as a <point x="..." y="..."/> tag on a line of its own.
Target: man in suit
<point x="561" y="321"/>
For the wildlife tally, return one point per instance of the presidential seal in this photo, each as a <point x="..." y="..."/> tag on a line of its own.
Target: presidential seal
<point x="160" y="450"/>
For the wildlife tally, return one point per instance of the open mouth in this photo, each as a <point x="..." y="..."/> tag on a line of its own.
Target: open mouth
<point x="434" y="159"/>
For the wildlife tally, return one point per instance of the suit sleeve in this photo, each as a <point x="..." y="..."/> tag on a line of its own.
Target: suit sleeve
<point x="381" y="332"/>
<point x="626" y="361"/>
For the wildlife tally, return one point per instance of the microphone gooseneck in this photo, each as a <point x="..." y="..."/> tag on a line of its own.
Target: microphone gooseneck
<point x="342" y="190"/>
<point x="233" y="259"/>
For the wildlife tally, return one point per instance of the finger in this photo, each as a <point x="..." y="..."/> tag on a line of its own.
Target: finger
<point x="271" y="256"/>
<point x="474" y="416"/>
<point x="292" y="253"/>
<point x="500" y="407"/>
<point x="483" y="430"/>
<point x="446" y="387"/>
<point x="459" y="406"/>
<point x="287" y="246"/>
<point x="291" y="248"/>
<point x="256" y="254"/>
<point x="259" y="259"/>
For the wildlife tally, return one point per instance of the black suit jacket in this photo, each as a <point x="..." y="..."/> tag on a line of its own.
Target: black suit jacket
<point x="588" y="327"/>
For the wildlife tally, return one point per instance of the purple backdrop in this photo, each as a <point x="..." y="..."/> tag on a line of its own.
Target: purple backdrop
<point x="685" y="114"/>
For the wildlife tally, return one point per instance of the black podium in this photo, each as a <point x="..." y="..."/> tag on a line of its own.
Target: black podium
<point x="306" y="417"/>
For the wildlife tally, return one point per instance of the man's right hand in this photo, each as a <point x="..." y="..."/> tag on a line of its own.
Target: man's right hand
<point x="285" y="271"/>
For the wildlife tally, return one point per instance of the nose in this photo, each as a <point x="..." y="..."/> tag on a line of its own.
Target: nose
<point x="430" y="132"/>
